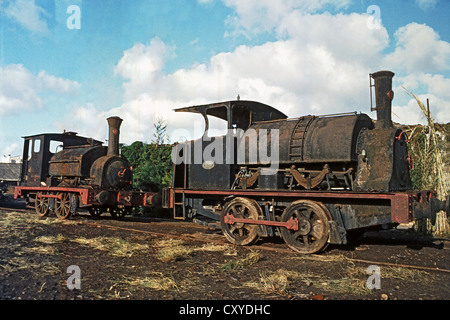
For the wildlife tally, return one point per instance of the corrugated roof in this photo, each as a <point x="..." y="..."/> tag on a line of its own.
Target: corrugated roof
<point x="10" y="171"/>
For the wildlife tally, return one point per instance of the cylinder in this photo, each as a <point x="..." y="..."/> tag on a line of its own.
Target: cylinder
<point x="383" y="96"/>
<point x="114" y="131"/>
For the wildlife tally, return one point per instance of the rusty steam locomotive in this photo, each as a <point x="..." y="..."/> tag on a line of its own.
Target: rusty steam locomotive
<point x="332" y="173"/>
<point x="63" y="172"/>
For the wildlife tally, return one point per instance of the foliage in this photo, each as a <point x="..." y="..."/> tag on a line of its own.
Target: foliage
<point x="152" y="164"/>
<point x="428" y="151"/>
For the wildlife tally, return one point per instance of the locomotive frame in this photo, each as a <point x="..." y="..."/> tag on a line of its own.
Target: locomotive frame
<point x="336" y="173"/>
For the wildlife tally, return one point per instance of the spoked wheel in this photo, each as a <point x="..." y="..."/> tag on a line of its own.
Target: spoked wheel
<point x="241" y="233"/>
<point x="96" y="211"/>
<point x="62" y="206"/>
<point x="41" y="205"/>
<point x="313" y="228"/>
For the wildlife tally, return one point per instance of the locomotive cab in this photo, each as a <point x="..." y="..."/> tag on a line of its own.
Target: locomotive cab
<point x="39" y="150"/>
<point x="213" y="160"/>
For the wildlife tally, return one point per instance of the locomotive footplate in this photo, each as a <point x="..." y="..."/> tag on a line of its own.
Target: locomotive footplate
<point x="66" y="200"/>
<point x="306" y="220"/>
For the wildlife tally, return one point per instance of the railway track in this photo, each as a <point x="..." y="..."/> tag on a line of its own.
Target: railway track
<point x="180" y="230"/>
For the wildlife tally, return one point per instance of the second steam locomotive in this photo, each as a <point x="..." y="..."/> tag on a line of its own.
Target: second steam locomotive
<point x="65" y="172"/>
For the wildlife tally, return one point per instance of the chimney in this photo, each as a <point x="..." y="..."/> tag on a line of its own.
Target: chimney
<point x="383" y="97"/>
<point x="114" y="130"/>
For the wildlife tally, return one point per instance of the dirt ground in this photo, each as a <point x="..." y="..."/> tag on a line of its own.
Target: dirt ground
<point x="41" y="258"/>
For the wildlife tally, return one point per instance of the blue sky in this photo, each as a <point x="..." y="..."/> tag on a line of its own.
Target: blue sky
<point x="140" y="59"/>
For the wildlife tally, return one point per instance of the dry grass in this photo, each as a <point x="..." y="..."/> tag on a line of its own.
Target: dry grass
<point x="273" y="282"/>
<point x="115" y="246"/>
<point x="175" y="249"/>
<point x="51" y="239"/>
<point x="19" y="263"/>
<point x="250" y="259"/>
<point x="155" y="282"/>
<point x="427" y="149"/>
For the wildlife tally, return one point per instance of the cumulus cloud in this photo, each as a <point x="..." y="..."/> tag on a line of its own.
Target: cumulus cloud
<point x="308" y="73"/>
<point x="319" y="63"/>
<point x="433" y="87"/>
<point x="21" y="90"/>
<point x="426" y="4"/>
<point x="17" y="90"/>
<point x="28" y="14"/>
<point x="419" y="48"/>
<point x="256" y="16"/>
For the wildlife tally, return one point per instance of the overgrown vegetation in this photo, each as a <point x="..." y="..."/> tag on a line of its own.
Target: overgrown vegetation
<point x="152" y="164"/>
<point x="428" y="146"/>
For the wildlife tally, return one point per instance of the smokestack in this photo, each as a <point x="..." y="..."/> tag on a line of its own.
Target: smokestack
<point x="114" y="130"/>
<point x="383" y="97"/>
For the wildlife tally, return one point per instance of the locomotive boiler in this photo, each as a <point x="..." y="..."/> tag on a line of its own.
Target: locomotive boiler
<point x="64" y="172"/>
<point x="308" y="179"/>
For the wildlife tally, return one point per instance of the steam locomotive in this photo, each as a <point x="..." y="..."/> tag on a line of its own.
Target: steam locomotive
<point x="65" y="172"/>
<point x="309" y="180"/>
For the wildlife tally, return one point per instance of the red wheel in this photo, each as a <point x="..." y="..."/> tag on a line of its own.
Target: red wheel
<point x="41" y="205"/>
<point x="62" y="206"/>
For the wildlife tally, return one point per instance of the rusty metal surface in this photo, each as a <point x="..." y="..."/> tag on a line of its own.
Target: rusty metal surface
<point x="315" y="139"/>
<point x="383" y="96"/>
<point x="93" y="196"/>
<point x="75" y="162"/>
<point x="112" y="171"/>
<point x="37" y="154"/>
<point x="114" y="132"/>
<point x="291" y="224"/>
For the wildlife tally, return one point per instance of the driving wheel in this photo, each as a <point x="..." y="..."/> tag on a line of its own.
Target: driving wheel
<point x="313" y="228"/>
<point x="62" y="206"/>
<point x="41" y="205"/>
<point x="241" y="233"/>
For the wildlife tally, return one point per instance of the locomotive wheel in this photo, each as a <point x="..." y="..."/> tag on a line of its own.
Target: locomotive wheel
<point x="41" y="205"/>
<point x="62" y="206"/>
<point x="313" y="228"/>
<point x="240" y="233"/>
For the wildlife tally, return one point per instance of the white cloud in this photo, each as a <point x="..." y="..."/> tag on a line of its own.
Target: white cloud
<point x="28" y="14"/>
<point x="426" y="4"/>
<point x="205" y="2"/>
<point x="419" y="49"/>
<point x="17" y="89"/>
<point x="60" y="85"/>
<point x="141" y="65"/>
<point x="256" y="16"/>
<point x="319" y="64"/>
<point x="433" y="87"/>
<point x="305" y="74"/>
<point x="21" y="90"/>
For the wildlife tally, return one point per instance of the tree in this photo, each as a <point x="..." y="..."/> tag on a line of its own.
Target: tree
<point x="152" y="163"/>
